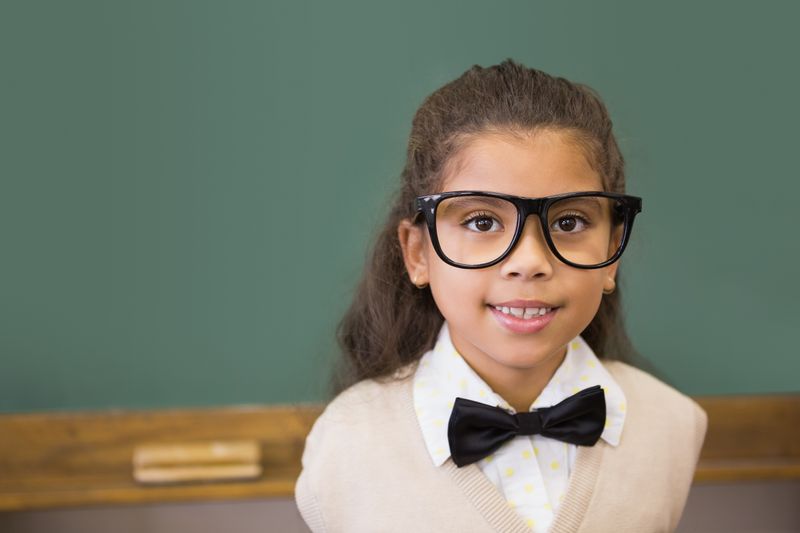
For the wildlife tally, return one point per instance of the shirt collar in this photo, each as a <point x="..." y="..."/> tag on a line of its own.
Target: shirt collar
<point x="443" y="374"/>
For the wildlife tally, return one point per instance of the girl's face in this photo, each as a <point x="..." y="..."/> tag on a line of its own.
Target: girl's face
<point x="545" y="164"/>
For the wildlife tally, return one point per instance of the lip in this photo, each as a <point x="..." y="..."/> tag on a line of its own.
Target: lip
<point x="522" y="325"/>
<point x="524" y="303"/>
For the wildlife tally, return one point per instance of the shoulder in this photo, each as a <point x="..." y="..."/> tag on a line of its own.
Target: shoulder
<point x="360" y="402"/>
<point x="346" y="438"/>
<point x="352" y="417"/>
<point x="656" y="458"/>
<point x="659" y="404"/>
<point x="639" y="384"/>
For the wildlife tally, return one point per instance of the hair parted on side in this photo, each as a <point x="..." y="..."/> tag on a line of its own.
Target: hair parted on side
<point x="390" y="322"/>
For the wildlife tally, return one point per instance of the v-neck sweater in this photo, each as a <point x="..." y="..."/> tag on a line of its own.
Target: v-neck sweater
<point x="531" y="471"/>
<point x="365" y="467"/>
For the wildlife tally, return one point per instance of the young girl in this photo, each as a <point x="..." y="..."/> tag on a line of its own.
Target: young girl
<point x="488" y="383"/>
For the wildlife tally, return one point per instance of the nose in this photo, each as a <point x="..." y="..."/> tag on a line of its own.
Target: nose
<point x="530" y="257"/>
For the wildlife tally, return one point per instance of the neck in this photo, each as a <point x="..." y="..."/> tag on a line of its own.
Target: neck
<point x="518" y="386"/>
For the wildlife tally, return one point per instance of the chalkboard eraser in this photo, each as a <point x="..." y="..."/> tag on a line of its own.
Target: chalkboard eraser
<point x="160" y="463"/>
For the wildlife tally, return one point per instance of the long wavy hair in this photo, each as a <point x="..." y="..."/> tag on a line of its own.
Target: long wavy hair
<point x="390" y="323"/>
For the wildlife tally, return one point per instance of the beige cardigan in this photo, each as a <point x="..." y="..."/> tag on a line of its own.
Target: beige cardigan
<point x="366" y="468"/>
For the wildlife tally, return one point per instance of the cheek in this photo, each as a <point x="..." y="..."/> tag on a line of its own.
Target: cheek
<point x="591" y="292"/>
<point x="456" y="290"/>
<point x="587" y="287"/>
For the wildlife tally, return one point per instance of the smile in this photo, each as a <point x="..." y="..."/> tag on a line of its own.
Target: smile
<point x="532" y="319"/>
<point x="525" y="313"/>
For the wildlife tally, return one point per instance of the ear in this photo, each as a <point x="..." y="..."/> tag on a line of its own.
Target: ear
<point x="413" y="242"/>
<point x="610" y="281"/>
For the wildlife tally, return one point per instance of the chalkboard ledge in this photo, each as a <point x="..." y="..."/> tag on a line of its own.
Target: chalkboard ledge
<point x="78" y="459"/>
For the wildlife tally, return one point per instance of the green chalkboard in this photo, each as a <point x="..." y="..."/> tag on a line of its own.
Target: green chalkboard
<point x="176" y="182"/>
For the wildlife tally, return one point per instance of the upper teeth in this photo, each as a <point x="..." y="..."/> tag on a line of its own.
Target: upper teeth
<point x="524" y="312"/>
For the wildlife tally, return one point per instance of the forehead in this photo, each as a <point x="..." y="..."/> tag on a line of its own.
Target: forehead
<point x="545" y="163"/>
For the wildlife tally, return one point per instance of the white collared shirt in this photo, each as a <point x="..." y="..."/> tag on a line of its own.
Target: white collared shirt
<point x="531" y="471"/>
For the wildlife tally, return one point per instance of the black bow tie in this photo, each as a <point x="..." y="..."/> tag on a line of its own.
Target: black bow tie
<point x="476" y="429"/>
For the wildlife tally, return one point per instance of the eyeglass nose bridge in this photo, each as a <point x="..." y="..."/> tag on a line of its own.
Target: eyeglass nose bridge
<point x="525" y="208"/>
<point x="530" y="206"/>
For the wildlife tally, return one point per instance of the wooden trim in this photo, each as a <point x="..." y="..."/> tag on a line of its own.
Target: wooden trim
<point x="64" y="459"/>
<point x="74" y="459"/>
<point x="750" y="438"/>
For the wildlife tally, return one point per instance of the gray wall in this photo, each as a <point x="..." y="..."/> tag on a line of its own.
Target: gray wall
<point x="754" y="507"/>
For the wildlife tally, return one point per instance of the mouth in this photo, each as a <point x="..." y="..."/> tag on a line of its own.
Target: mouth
<point x="523" y="313"/>
<point x="521" y="320"/>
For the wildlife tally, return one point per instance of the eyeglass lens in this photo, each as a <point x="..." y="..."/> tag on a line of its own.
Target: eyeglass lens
<point x="472" y="230"/>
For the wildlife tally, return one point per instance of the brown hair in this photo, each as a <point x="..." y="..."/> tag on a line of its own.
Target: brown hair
<point x="390" y="322"/>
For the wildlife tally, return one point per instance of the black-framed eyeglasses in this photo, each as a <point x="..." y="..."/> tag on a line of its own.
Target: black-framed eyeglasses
<point x="473" y="229"/>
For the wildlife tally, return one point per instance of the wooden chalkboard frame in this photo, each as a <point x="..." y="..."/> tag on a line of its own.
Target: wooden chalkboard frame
<point x="67" y="459"/>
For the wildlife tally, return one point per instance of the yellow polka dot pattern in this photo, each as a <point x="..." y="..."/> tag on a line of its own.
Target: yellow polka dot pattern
<point x="531" y="471"/>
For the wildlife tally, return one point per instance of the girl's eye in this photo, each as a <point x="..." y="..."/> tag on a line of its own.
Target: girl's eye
<point x="483" y="223"/>
<point x="568" y="222"/>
